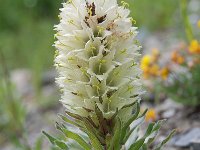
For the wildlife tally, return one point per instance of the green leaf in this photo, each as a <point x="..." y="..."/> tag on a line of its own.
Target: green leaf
<point x="93" y="136"/>
<point x="115" y="142"/>
<point x="137" y="145"/>
<point x="139" y="121"/>
<point x="144" y="147"/>
<point x="165" y="140"/>
<point x="51" y="138"/>
<point x="128" y="134"/>
<point x="61" y="145"/>
<point x="92" y="129"/>
<point x="127" y="124"/>
<point x="158" y="125"/>
<point x="94" y="141"/>
<point x="149" y="129"/>
<point x="108" y="139"/>
<point x="55" y="141"/>
<point x="78" y="119"/>
<point x="74" y="137"/>
<point x="73" y="115"/>
<point x="67" y="120"/>
<point x="143" y="114"/>
<point x="129" y="105"/>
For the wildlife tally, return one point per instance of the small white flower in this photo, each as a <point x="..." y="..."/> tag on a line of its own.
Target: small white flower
<point x="96" y="58"/>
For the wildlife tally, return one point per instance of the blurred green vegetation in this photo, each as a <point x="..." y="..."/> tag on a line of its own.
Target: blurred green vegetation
<point x="27" y="35"/>
<point x="156" y="14"/>
<point x="184" y="89"/>
<point x="27" y="32"/>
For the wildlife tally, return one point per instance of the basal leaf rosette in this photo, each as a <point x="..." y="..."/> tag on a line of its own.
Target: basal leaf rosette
<point x="97" y="58"/>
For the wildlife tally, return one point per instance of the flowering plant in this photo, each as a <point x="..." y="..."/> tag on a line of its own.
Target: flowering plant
<point x="179" y="77"/>
<point x="97" y="59"/>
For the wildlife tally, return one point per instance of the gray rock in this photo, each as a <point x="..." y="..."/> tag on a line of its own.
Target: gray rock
<point x="195" y="145"/>
<point x="22" y="78"/>
<point x="169" y="113"/>
<point x="186" y="139"/>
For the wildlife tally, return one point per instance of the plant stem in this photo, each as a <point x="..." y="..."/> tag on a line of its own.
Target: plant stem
<point x="188" y="27"/>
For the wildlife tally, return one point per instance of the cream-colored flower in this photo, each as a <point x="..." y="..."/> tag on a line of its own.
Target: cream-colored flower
<point x="97" y="59"/>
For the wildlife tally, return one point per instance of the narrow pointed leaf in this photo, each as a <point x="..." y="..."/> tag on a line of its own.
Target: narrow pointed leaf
<point x="94" y="141"/>
<point x="128" y="135"/>
<point x="165" y="140"/>
<point x="127" y="124"/>
<point x="61" y="145"/>
<point x="115" y="142"/>
<point x="51" y="138"/>
<point x="94" y="131"/>
<point x="137" y="145"/>
<point x="149" y="129"/>
<point x="67" y="120"/>
<point x="76" y="138"/>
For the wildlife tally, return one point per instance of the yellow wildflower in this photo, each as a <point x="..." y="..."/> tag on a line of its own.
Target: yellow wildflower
<point x="149" y="67"/>
<point x="194" y="47"/>
<point x="180" y="60"/>
<point x="164" y="73"/>
<point x="146" y="60"/>
<point x="154" y="70"/>
<point x="177" y="58"/>
<point x="151" y="115"/>
<point x="145" y="63"/>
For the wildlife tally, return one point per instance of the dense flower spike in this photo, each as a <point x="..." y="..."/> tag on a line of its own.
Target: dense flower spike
<point x="96" y="58"/>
